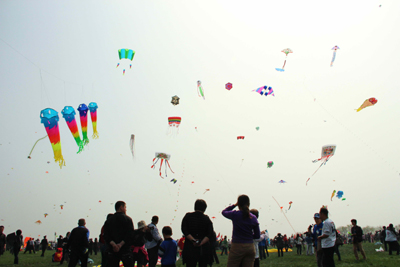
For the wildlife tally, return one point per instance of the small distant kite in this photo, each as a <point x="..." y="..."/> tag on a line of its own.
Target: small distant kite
<point x="206" y="191"/>
<point x="339" y="194"/>
<point x="174" y="123"/>
<point x="200" y="90"/>
<point x="49" y="118"/>
<point x="335" y="48"/>
<point x="126" y="54"/>
<point x="132" y="145"/>
<point x="38" y="222"/>
<point x="286" y="51"/>
<point x="228" y="86"/>
<point x="282" y="182"/>
<point x="257" y="128"/>
<point x="162" y="156"/>
<point x="344" y="199"/>
<point x="175" y="100"/>
<point x="173" y="181"/>
<point x="45" y="215"/>
<point x="264" y="90"/>
<point x="62" y="207"/>
<point x="333" y="194"/>
<point x="367" y="103"/>
<point x="290" y="205"/>
<point x="327" y="152"/>
<point x="240" y="138"/>
<point x="270" y="164"/>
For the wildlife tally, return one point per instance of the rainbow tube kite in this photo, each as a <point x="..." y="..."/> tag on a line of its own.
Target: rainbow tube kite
<point x="69" y="115"/>
<point x="83" y="110"/>
<point x="93" y="115"/>
<point x="49" y="118"/>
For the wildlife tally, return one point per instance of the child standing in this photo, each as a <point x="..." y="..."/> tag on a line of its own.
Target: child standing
<point x="168" y="248"/>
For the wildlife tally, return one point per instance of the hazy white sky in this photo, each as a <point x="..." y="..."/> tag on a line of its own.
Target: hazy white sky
<point x="65" y="54"/>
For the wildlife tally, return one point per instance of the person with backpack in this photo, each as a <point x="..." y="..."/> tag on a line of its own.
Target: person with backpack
<point x="153" y="242"/>
<point x="356" y="236"/>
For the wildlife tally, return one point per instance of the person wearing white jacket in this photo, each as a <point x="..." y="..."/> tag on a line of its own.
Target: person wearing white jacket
<point x="391" y="239"/>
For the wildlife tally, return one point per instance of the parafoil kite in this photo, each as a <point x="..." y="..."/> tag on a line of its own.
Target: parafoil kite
<point x="200" y="90"/>
<point x="45" y="215"/>
<point x="69" y="115"/>
<point x="173" y="181"/>
<point x="126" y="54"/>
<point x="286" y="51"/>
<point x="333" y="194"/>
<point x="228" y="86"/>
<point x="132" y="145"/>
<point x="83" y="110"/>
<point x="264" y="90"/>
<point x="162" y="156"/>
<point x="327" y="152"/>
<point x="240" y="138"/>
<point x="49" y="118"/>
<point x="270" y="164"/>
<point x="335" y="48"/>
<point x="282" y="182"/>
<point x="367" y="103"/>
<point x="174" y="123"/>
<point x="339" y="194"/>
<point x="93" y="115"/>
<point x="175" y="100"/>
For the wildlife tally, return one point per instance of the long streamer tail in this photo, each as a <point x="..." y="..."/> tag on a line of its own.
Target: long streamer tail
<point x="35" y="145"/>
<point x="284" y="63"/>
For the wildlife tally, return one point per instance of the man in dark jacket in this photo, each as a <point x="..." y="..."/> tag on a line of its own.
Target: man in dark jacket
<point x="356" y="236"/>
<point x="44" y="245"/>
<point x="78" y="243"/>
<point x="118" y="233"/>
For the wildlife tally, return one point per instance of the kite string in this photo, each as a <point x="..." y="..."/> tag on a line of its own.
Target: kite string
<point x="284" y="214"/>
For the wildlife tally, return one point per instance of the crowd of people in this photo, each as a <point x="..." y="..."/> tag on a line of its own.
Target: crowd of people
<point x="119" y="240"/>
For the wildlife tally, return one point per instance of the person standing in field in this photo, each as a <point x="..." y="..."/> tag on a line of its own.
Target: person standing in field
<point x="44" y="245"/>
<point x="357" y="237"/>
<point x="327" y="238"/>
<point x="78" y="243"/>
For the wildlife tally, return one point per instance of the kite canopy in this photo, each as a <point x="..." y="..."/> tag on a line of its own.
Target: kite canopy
<point x="93" y="106"/>
<point x="160" y="155"/>
<point x="126" y="53"/>
<point x="47" y="114"/>
<point x="287" y="51"/>
<point x="68" y="110"/>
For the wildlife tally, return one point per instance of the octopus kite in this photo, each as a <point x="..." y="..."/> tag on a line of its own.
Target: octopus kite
<point x="83" y="110"/>
<point x="162" y="156"/>
<point x="49" y="117"/>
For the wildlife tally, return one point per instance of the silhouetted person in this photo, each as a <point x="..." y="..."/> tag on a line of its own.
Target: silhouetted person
<point x="44" y="245"/>
<point x="78" y="243"/>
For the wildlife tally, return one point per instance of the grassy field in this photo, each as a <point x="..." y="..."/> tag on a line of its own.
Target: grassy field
<point x="289" y="259"/>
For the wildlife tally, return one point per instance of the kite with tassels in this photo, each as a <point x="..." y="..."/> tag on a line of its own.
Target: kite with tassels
<point x="49" y="118"/>
<point x="69" y="115"/>
<point x="83" y="110"/>
<point x="93" y="115"/>
<point x="174" y="123"/>
<point x="126" y="54"/>
<point x="162" y="156"/>
<point x="327" y="152"/>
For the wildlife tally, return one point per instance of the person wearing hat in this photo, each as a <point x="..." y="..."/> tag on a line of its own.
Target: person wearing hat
<point x="139" y="252"/>
<point x="316" y="232"/>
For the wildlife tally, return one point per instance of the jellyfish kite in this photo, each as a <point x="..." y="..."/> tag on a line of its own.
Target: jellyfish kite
<point x="93" y="115"/>
<point x="200" y="90"/>
<point x="339" y="194"/>
<point x="367" y="103"/>
<point x="49" y="118"/>
<point x="286" y="51"/>
<point x="69" y="115"/>
<point x="132" y="145"/>
<point x="327" y="152"/>
<point x="162" y="156"/>
<point x="83" y="110"/>
<point x="175" y="100"/>
<point x="335" y="48"/>
<point x="125" y="54"/>
<point x="174" y="123"/>
<point x="270" y="164"/>
<point x="228" y="86"/>
<point x="264" y="90"/>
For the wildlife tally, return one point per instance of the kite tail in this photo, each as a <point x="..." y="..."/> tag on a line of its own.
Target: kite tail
<point x="333" y="58"/>
<point x="35" y="145"/>
<point x="169" y="166"/>
<point x="162" y="160"/>
<point x="307" y="181"/>
<point x="284" y="63"/>
<point x="154" y="163"/>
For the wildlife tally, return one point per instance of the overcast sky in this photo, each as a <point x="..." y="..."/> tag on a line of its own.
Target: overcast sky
<point x="56" y="53"/>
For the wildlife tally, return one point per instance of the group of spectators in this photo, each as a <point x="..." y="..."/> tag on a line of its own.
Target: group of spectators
<point x="120" y="241"/>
